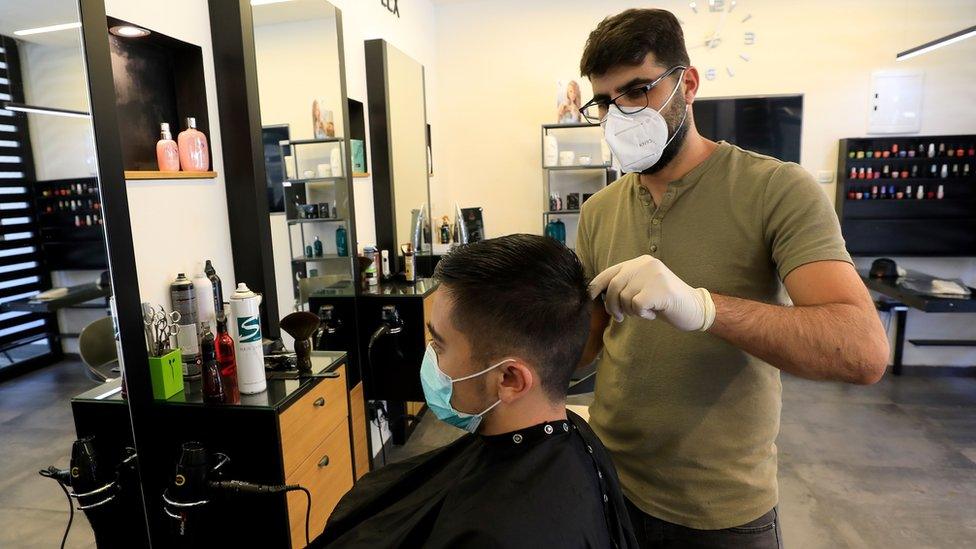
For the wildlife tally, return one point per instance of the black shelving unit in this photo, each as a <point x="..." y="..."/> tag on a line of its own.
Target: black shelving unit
<point x="908" y="195"/>
<point x="69" y="217"/>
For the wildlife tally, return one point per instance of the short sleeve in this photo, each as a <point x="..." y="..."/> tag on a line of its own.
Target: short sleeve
<point x="584" y="247"/>
<point x="799" y="224"/>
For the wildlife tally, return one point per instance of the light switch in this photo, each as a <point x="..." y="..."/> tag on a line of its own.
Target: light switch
<point x="825" y="176"/>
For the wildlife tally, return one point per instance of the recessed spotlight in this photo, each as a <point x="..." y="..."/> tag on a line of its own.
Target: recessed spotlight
<point x="128" y="31"/>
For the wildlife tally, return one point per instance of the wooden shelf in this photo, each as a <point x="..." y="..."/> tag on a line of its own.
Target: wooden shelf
<point x="360" y="174"/>
<point x="155" y="174"/>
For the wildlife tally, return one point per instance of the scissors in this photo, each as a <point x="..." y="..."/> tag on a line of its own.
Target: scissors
<point x="160" y="327"/>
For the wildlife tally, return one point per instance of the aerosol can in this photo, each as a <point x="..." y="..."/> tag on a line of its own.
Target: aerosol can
<point x="245" y="328"/>
<point x="184" y="301"/>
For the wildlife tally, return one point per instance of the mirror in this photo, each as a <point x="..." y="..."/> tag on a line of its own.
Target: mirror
<point x="398" y="142"/>
<point x="303" y="117"/>
<point x="57" y="346"/>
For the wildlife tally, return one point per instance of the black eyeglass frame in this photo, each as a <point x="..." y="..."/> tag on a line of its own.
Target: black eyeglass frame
<point x="613" y="101"/>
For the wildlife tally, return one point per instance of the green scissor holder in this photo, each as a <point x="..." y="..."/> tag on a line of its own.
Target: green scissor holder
<point x="166" y="373"/>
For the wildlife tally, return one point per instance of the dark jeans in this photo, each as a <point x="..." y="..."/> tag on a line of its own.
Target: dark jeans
<point x="762" y="533"/>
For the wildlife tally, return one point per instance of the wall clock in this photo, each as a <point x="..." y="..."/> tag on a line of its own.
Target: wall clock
<point x="718" y="36"/>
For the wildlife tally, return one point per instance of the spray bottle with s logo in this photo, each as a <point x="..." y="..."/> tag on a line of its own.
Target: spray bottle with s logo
<point x="245" y="324"/>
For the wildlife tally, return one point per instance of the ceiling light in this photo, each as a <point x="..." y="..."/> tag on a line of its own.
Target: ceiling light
<point x="266" y="2"/>
<point x="45" y="110"/>
<point x="938" y="43"/>
<point x="49" y="28"/>
<point x="128" y="31"/>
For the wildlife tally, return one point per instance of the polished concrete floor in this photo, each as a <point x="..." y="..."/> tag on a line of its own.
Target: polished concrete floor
<point x="887" y="466"/>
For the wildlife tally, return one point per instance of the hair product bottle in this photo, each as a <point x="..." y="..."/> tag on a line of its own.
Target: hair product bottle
<point x="203" y="292"/>
<point x="213" y="385"/>
<point x="194" y="152"/>
<point x="218" y="289"/>
<point x="317" y="247"/>
<point x="183" y="300"/>
<point x="446" y="231"/>
<point x="167" y="153"/>
<point x="342" y="242"/>
<point x="228" y="364"/>
<point x="245" y="321"/>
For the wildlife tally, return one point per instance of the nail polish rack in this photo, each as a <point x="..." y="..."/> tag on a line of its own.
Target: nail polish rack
<point x="69" y="214"/>
<point x="913" y="196"/>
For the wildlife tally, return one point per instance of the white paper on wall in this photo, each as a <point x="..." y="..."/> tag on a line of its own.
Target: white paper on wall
<point x="895" y="104"/>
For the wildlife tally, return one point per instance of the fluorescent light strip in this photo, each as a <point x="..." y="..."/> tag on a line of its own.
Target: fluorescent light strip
<point x="9" y="143"/>
<point x="19" y="282"/>
<point x="13" y="190"/>
<point x="13" y="206"/>
<point x="14" y="220"/>
<point x="5" y="96"/>
<point x="7" y="128"/>
<point x="938" y="43"/>
<point x="45" y="110"/>
<point x="23" y="327"/>
<point x="49" y="28"/>
<point x="4" y="81"/>
<point x="10" y="159"/>
<point x="17" y="251"/>
<point x="3" y="65"/>
<point x="4" y="112"/>
<point x="11" y="175"/>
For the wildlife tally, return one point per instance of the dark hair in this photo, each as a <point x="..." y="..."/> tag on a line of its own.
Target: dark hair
<point x="627" y="38"/>
<point x="523" y="295"/>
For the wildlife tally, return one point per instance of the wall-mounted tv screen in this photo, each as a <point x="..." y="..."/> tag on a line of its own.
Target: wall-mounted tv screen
<point x="766" y="125"/>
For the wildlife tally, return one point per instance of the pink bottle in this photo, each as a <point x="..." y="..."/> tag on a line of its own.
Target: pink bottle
<point x="194" y="154"/>
<point x="167" y="155"/>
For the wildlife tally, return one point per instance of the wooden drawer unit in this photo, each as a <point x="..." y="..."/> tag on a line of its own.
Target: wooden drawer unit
<point x="327" y="474"/>
<point x="357" y="425"/>
<point x="306" y="423"/>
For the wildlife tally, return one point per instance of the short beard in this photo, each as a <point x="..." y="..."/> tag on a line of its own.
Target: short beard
<point x="674" y="117"/>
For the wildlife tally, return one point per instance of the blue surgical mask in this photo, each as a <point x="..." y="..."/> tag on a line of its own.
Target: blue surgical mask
<point x="438" y="388"/>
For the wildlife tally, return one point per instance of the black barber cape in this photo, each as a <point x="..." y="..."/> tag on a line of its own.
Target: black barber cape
<point x="550" y="485"/>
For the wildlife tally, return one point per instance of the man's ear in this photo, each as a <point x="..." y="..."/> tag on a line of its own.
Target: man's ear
<point x="517" y="381"/>
<point x="690" y="78"/>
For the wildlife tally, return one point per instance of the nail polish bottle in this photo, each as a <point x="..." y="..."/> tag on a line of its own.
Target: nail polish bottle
<point x="940" y="193"/>
<point x="877" y="175"/>
<point x="877" y="154"/>
<point x="908" y="192"/>
<point x="167" y="153"/>
<point x="874" y="192"/>
<point x="851" y="194"/>
<point x="934" y="170"/>
<point x="931" y="150"/>
<point x="894" y="148"/>
<point x="942" y="150"/>
<point x="860" y="196"/>
<point x="959" y="151"/>
<point x="883" y="193"/>
<point x="852" y="176"/>
<point x="885" y="154"/>
<point x="944" y="172"/>
<point x="870" y="175"/>
<point x="899" y="195"/>
<point x="951" y="151"/>
<point x="851" y="154"/>
<point x="965" y="170"/>
<point x="972" y="151"/>
<point x="194" y="152"/>
<point x="904" y="174"/>
<point x="930" y="195"/>
<point x="920" y="193"/>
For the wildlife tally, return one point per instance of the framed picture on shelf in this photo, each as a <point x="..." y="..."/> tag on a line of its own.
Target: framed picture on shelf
<point x="323" y="124"/>
<point x="568" y="101"/>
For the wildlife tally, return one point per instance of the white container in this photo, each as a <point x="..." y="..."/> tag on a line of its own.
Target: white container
<point x="206" y="314"/>
<point x="335" y="158"/>
<point x="550" y="151"/>
<point x="605" y="152"/>
<point x="324" y="170"/>
<point x="245" y="328"/>
<point x="567" y="158"/>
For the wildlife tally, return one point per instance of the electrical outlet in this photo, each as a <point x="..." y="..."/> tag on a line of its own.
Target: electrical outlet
<point x="825" y="176"/>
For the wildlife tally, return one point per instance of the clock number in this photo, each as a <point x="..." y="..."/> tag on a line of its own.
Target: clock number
<point x="750" y="38"/>
<point x="710" y="74"/>
<point x="716" y="5"/>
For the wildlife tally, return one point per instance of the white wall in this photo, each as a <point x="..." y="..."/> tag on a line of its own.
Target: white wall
<point x="500" y="60"/>
<point x="177" y="224"/>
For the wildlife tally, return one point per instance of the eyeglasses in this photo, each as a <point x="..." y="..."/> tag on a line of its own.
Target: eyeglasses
<point x="631" y="101"/>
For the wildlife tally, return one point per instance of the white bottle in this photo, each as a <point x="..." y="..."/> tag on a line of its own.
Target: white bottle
<point x="944" y="172"/>
<point x="940" y="193"/>
<point x="245" y="328"/>
<point x="206" y="314"/>
<point x="335" y="159"/>
<point x="550" y="151"/>
<point x="921" y="192"/>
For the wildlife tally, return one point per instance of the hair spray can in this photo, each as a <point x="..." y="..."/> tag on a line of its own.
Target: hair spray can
<point x="184" y="301"/>
<point x="245" y="324"/>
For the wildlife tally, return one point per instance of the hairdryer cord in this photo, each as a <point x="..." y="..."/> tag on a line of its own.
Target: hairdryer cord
<point x="48" y="473"/>
<point x="308" y="508"/>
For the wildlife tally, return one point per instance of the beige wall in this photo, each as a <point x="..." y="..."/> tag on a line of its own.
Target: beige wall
<point x="500" y="60"/>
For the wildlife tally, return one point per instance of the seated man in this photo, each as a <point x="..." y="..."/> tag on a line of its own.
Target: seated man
<point x="509" y="322"/>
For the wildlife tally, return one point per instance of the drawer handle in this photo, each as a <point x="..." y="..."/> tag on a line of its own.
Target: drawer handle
<point x="319" y="402"/>
<point x="324" y="461"/>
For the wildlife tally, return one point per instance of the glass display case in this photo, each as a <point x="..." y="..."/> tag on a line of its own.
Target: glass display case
<point x="576" y="163"/>
<point x="317" y="192"/>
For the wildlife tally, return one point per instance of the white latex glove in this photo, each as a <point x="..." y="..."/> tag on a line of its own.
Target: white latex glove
<point x="645" y="287"/>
